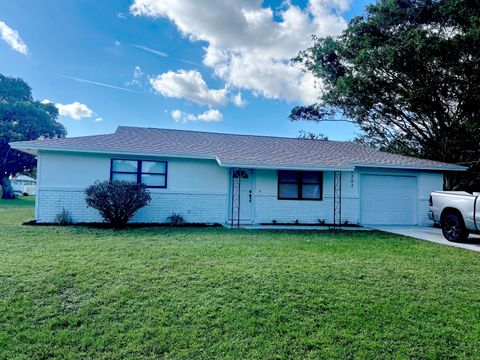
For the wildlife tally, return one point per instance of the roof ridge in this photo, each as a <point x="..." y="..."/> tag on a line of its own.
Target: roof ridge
<point x="230" y="134"/>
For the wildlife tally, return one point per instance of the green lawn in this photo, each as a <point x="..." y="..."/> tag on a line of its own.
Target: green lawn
<point x="75" y="292"/>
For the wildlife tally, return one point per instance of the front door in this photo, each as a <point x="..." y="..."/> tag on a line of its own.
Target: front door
<point x="241" y="199"/>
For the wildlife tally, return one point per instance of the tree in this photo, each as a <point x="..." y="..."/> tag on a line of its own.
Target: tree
<point x="117" y="201"/>
<point x="22" y="118"/>
<point x="311" y="135"/>
<point x="408" y="73"/>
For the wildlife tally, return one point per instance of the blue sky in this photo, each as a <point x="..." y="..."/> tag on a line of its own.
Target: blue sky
<point x="218" y="65"/>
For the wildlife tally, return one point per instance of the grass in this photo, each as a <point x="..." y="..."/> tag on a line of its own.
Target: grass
<point x="75" y="292"/>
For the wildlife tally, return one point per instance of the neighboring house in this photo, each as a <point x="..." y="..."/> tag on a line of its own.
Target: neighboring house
<point x="23" y="184"/>
<point x="224" y="178"/>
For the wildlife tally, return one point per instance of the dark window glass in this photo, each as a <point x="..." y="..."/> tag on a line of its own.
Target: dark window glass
<point x="154" y="180"/>
<point x="300" y="185"/>
<point x="242" y="174"/>
<point x="123" y="176"/>
<point x="150" y="173"/>
<point x="311" y="191"/>
<point x="157" y="167"/>
<point x="288" y="176"/>
<point x="288" y="191"/>
<point x="311" y="177"/>
<point x="125" y="165"/>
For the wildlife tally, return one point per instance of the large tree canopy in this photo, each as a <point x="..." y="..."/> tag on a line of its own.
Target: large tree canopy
<point x="22" y="118"/>
<point x="408" y="73"/>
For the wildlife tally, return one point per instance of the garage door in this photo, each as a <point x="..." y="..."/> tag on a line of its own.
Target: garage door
<point x="387" y="200"/>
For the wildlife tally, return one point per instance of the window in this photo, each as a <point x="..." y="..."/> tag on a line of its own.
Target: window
<point x="240" y="174"/>
<point x="151" y="173"/>
<point x="300" y="185"/>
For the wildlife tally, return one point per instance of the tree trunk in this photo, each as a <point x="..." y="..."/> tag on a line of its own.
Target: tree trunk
<point x="7" y="191"/>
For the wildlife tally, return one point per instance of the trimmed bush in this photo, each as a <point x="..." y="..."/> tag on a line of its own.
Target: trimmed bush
<point x="117" y="201"/>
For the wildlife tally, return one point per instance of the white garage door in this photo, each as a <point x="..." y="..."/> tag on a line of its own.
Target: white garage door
<point x="387" y="200"/>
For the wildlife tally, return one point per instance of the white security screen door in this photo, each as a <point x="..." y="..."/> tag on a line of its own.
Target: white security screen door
<point x="241" y="194"/>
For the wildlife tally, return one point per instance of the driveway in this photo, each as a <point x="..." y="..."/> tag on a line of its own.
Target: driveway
<point x="429" y="233"/>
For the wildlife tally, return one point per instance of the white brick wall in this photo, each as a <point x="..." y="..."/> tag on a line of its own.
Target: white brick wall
<point x="269" y="208"/>
<point x="195" y="207"/>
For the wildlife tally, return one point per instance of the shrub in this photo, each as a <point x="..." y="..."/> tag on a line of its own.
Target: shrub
<point x="63" y="217"/>
<point x="117" y="201"/>
<point x="176" y="219"/>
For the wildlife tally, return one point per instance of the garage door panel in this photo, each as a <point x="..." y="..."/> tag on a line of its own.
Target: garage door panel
<point x="387" y="200"/>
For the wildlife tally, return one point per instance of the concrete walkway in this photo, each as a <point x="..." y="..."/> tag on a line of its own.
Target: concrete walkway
<point x="300" y="227"/>
<point x="429" y="233"/>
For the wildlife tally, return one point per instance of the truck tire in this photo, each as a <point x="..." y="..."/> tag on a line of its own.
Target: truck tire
<point x="454" y="229"/>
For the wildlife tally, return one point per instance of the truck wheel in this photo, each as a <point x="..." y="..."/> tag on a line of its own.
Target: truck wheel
<point x="454" y="229"/>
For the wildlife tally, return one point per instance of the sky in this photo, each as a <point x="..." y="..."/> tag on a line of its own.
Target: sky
<point x="208" y="65"/>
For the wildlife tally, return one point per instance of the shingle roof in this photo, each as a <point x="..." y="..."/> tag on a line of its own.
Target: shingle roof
<point x="235" y="150"/>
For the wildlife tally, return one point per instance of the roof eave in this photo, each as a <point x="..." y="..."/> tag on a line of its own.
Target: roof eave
<point x="285" y="167"/>
<point x="413" y="167"/>
<point x="32" y="149"/>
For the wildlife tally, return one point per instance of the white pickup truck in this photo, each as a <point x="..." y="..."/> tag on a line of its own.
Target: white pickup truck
<point x="457" y="212"/>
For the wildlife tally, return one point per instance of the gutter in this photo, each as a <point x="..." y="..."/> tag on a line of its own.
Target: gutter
<point x="413" y="167"/>
<point x="285" y="167"/>
<point x="35" y="149"/>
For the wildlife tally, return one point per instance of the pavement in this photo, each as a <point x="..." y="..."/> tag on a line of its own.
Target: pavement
<point x="300" y="227"/>
<point x="430" y="233"/>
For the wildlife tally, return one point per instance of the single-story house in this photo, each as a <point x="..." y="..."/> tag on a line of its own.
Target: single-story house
<point x="23" y="184"/>
<point x="245" y="179"/>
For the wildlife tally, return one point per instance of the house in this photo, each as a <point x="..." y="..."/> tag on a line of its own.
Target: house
<point x="23" y="184"/>
<point x="237" y="179"/>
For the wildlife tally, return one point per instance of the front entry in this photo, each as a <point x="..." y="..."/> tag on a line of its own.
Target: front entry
<point x="241" y="196"/>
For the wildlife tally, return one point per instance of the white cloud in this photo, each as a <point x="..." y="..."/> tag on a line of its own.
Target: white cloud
<point x="207" y="116"/>
<point x="249" y="46"/>
<point x="12" y="38"/>
<point x="136" y="77"/>
<point x="238" y="100"/>
<point x="269" y="78"/>
<point x="75" y="110"/>
<point x="137" y="72"/>
<point x="177" y="115"/>
<point x="188" y="85"/>
<point x="210" y="115"/>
